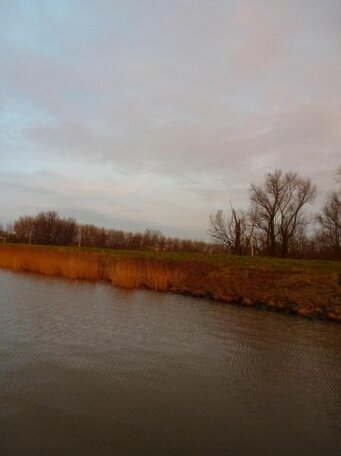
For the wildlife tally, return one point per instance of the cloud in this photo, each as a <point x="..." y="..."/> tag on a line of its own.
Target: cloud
<point x="165" y="111"/>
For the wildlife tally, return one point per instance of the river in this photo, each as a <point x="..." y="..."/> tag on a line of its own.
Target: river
<point x="87" y="369"/>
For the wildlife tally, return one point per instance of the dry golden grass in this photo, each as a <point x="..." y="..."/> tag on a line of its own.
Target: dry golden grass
<point x="50" y="263"/>
<point x="136" y="273"/>
<point x="306" y="293"/>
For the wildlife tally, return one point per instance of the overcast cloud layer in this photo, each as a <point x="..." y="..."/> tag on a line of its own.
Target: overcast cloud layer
<point x="136" y="114"/>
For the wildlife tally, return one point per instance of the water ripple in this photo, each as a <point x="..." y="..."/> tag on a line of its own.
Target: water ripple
<point x="90" y="370"/>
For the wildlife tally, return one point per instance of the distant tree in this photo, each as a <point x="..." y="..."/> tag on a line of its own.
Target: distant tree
<point x="45" y="228"/>
<point x="2" y="234"/>
<point x="151" y="239"/>
<point x="116" y="239"/>
<point x="24" y="229"/>
<point x="46" y="225"/>
<point x="338" y="175"/>
<point x="50" y="229"/>
<point x="330" y="219"/>
<point x="66" y="231"/>
<point x="93" y="236"/>
<point x="277" y="207"/>
<point x="230" y="230"/>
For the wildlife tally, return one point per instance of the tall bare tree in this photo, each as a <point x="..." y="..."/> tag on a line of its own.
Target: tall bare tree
<point x="277" y="207"/>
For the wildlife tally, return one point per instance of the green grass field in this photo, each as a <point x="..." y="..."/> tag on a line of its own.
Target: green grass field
<point x="218" y="259"/>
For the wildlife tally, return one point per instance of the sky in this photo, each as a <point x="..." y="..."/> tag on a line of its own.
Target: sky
<point x="134" y="114"/>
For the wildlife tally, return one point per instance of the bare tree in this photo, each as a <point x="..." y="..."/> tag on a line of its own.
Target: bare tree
<point x="46" y="227"/>
<point x="24" y="229"/>
<point x="2" y="234"/>
<point x="330" y="220"/>
<point x="338" y="175"/>
<point x="229" y="229"/>
<point x="151" y="239"/>
<point x="277" y="207"/>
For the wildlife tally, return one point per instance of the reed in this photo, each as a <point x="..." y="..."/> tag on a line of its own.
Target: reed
<point x="51" y="263"/>
<point x="300" y="292"/>
<point x="137" y="273"/>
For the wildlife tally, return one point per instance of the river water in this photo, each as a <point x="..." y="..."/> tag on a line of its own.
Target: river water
<point x="87" y="369"/>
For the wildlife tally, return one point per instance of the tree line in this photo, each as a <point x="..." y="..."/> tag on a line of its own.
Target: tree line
<point x="48" y="228"/>
<point x="277" y="222"/>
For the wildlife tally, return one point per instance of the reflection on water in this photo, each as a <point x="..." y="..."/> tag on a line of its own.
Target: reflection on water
<point x="86" y="369"/>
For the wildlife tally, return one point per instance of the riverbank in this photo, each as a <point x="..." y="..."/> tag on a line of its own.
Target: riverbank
<point x="306" y="288"/>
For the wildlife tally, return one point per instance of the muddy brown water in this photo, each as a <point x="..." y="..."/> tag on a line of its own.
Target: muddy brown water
<point x="87" y="369"/>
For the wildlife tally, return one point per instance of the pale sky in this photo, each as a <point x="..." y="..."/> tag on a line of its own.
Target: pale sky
<point x="135" y="114"/>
